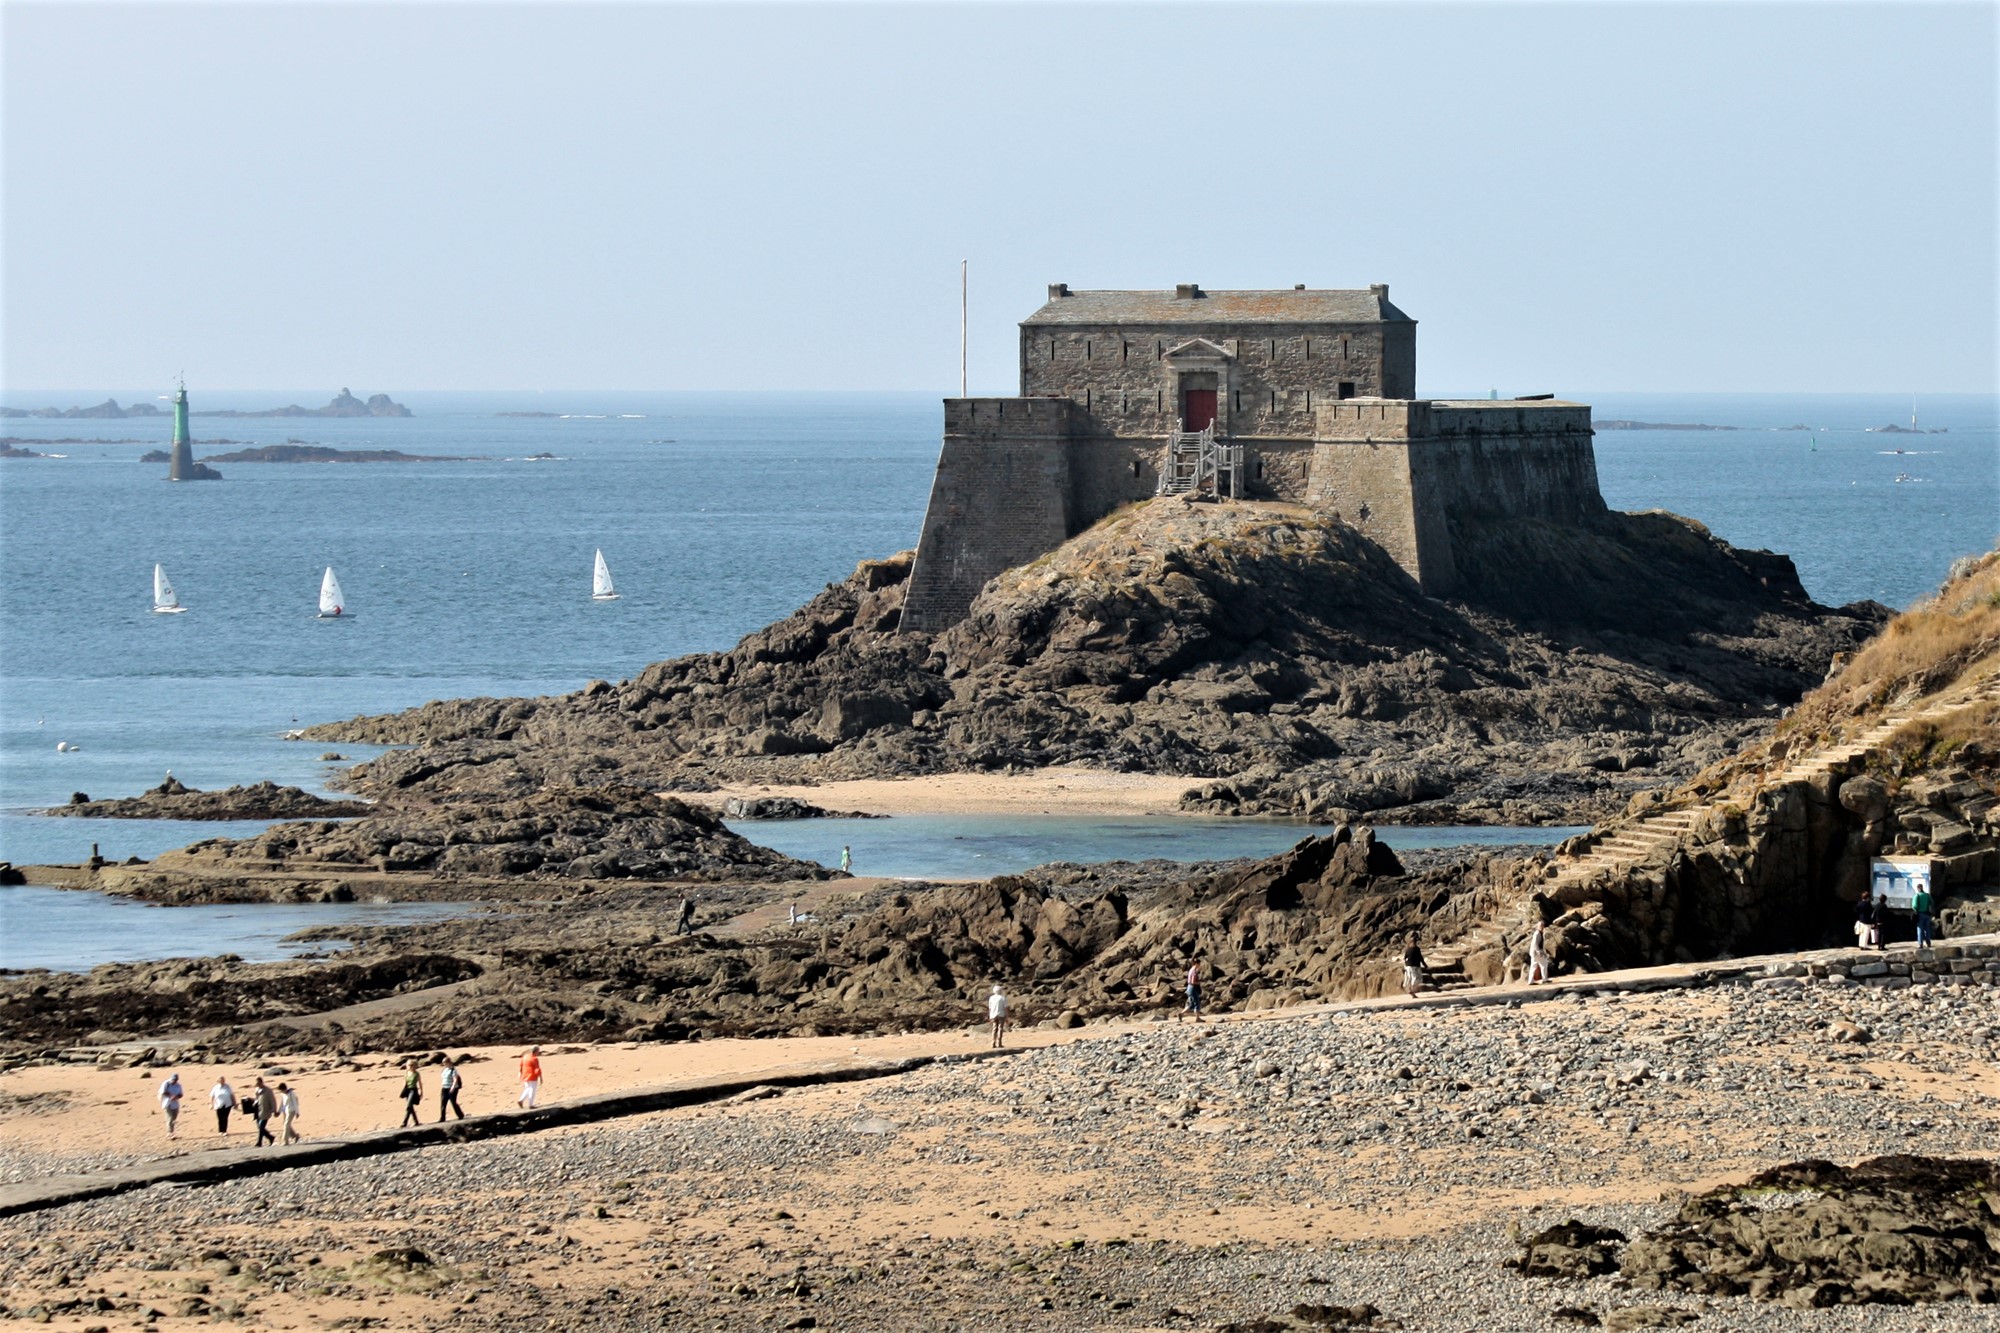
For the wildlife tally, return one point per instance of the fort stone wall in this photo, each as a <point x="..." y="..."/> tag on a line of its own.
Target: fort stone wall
<point x="1316" y="388"/>
<point x="1277" y="377"/>
<point x="1001" y="498"/>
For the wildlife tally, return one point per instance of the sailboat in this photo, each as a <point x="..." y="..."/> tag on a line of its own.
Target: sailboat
<point x="601" y="589"/>
<point x="164" y="601"/>
<point x="331" y="603"/>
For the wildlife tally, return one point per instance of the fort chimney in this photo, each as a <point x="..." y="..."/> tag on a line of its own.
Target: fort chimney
<point x="1380" y="289"/>
<point x="1187" y="291"/>
<point x="1058" y="290"/>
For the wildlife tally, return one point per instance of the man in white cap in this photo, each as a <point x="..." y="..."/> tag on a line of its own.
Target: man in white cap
<point x="996" y="1011"/>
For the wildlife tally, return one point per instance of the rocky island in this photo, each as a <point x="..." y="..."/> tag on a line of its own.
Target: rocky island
<point x="173" y="799"/>
<point x="1275" y="659"/>
<point x="297" y="452"/>
<point x="344" y="404"/>
<point x="108" y="409"/>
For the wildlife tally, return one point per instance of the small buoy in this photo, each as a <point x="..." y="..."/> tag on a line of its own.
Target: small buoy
<point x="62" y="747"/>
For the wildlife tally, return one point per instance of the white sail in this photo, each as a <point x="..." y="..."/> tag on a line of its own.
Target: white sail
<point x="164" y="600"/>
<point x="600" y="582"/>
<point x="331" y="603"/>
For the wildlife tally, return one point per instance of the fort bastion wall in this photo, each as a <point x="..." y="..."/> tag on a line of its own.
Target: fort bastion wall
<point x="1001" y="498"/>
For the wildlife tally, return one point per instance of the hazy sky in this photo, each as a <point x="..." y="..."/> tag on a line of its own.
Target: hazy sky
<point x="1568" y="197"/>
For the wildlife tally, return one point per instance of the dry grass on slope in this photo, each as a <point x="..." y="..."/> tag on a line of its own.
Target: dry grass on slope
<point x="1934" y="645"/>
<point x="1949" y="639"/>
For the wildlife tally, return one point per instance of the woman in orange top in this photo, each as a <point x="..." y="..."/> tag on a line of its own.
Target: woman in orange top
<point x="531" y="1078"/>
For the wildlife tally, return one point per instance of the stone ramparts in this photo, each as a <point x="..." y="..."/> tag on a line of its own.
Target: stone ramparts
<point x="1001" y="498"/>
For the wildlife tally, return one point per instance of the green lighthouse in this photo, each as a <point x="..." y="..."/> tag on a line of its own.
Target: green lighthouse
<point x="183" y="467"/>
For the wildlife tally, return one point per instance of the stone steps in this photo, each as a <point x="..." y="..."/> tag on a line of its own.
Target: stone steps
<point x="1622" y="846"/>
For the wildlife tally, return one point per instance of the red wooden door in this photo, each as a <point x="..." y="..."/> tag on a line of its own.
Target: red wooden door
<point x="1197" y="409"/>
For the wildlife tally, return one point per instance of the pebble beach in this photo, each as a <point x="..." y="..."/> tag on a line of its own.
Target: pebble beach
<point x="1148" y="1176"/>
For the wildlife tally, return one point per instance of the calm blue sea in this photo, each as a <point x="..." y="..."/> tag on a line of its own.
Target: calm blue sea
<point x="717" y="513"/>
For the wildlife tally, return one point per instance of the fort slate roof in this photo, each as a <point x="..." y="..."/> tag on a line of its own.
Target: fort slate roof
<point x="1321" y="306"/>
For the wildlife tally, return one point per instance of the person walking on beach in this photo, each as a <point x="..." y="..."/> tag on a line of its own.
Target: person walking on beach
<point x="1193" y="1005"/>
<point x="996" y="1012"/>
<point x="170" y="1103"/>
<point x="846" y="861"/>
<point x="223" y="1098"/>
<point x="531" y="1078"/>
<point x="263" y="1105"/>
<point x="288" y="1110"/>
<point x="685" y="926"/>
<point x="1538" y="956"/>
<point x="1921" y="905"/>
<point x="1413" y="967"/>
<point x="413" y="1097"/>
<point x="449" y="1082"/>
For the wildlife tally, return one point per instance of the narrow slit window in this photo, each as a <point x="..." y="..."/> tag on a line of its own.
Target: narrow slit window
<point x="1239" y="400"/>
<point x="1086" y="349"/>
<point x="1274" y="400"/>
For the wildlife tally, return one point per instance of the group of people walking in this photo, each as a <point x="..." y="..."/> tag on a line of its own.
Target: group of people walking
<point x="261" y="1102"/>
<point x="264" y="1103"/>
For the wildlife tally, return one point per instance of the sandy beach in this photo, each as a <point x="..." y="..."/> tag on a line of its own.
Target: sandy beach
<point x="1139" y="1176"/>
<point x="1066" y="790"/>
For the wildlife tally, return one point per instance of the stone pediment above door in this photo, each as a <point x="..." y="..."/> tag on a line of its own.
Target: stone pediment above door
<point x="1199" y="352"/>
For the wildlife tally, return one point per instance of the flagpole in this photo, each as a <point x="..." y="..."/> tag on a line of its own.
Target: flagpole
<point x="961" y="328"/>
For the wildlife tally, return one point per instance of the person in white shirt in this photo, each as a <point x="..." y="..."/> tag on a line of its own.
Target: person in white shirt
<point x="288" y="1110"/>
<point x="223" y="1098"/>
<point x="170" y="1102"/>
<point x="1538" y="956"/>
<point x="996" y="1012"/>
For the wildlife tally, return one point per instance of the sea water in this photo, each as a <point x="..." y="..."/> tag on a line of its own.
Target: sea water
<point x="979" y="846"/>
<point x="717" y="512"/>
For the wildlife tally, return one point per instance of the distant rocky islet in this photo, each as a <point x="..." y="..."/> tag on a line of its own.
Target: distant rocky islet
<point x="344" y="404"/>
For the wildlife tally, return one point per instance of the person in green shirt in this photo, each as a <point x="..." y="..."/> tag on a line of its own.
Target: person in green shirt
<point x="1921" y="905"/>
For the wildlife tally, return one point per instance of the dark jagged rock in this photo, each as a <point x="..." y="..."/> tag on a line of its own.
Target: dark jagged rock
<point x="784" y="807"/>
<point x="1570" y="1249"/>
<point x="172" y="800"/>
<point x="1278" y="659"/>
<point x="1325" y="919"/>
<point x="149" y="998"/>
<point x="569" y="833"/>
<point x="1889" y="1231"/>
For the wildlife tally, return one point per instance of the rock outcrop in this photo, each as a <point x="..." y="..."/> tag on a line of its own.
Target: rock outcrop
<point x="1279" y="660"/>
<point x="566" y="834"/>
<point x="1887" y="1231"/>
<point x="173" y="800"/>
<point x="1897" y="754"/>
<point x="1326" y="919"/>
<point x="344" y="404"/>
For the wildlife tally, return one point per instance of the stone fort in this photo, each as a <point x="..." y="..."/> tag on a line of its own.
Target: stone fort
<point x="1306" y="396"/>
